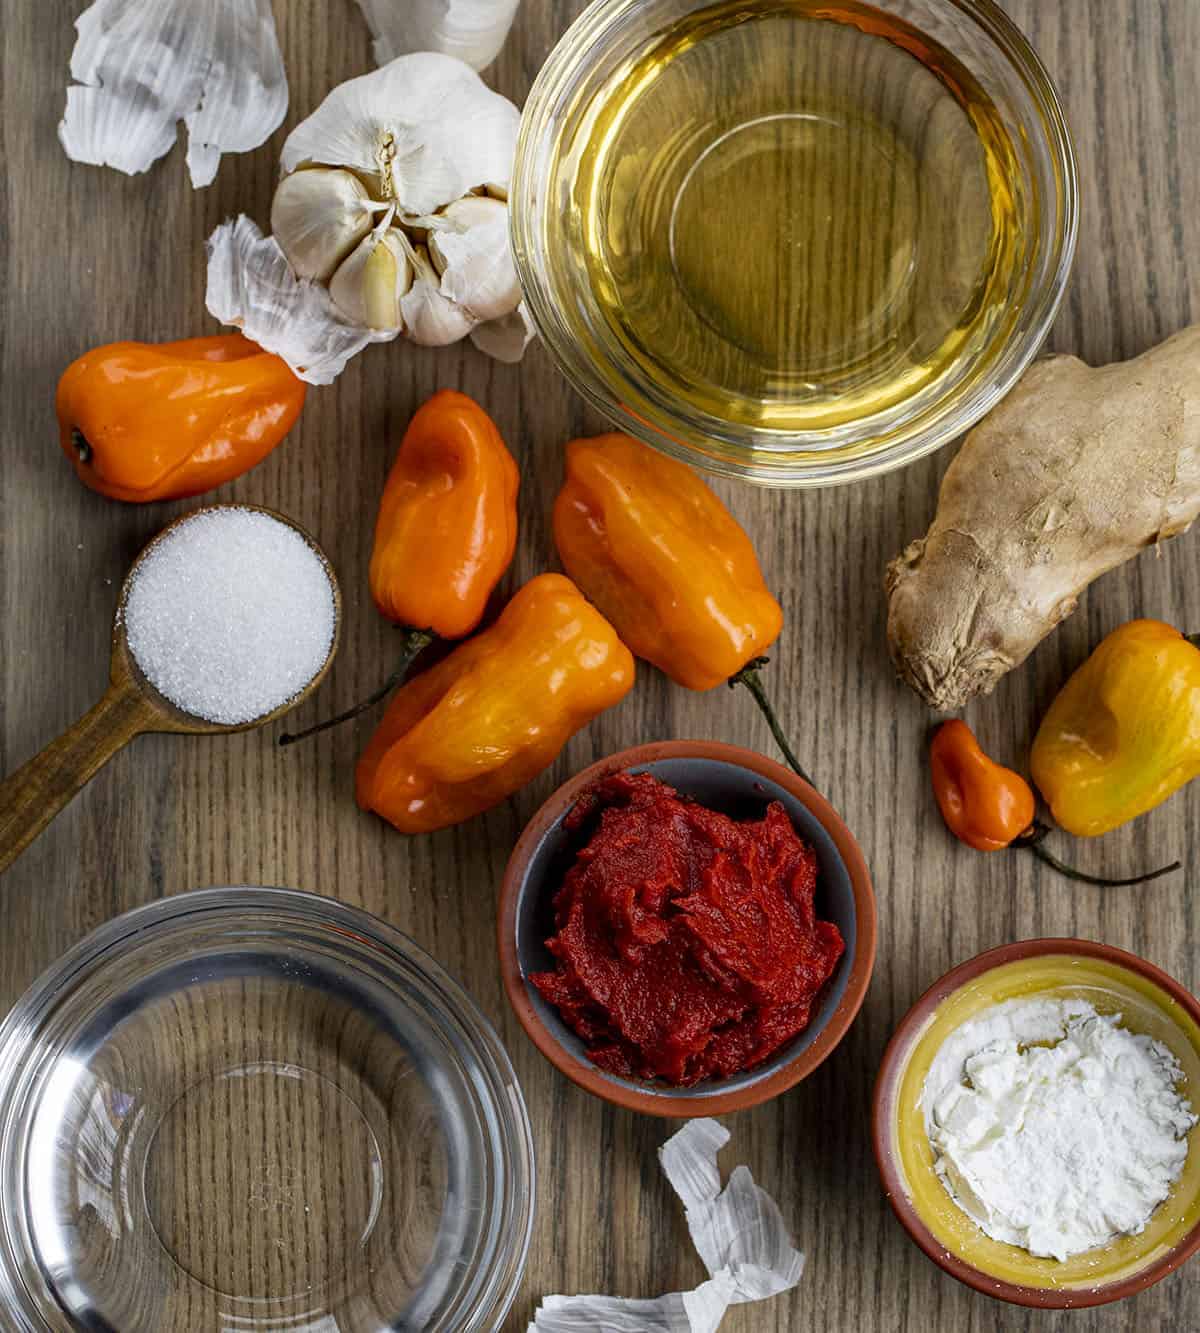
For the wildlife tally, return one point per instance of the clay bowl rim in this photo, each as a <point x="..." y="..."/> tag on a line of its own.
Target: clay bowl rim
<point x="883" y="1104"/>
<point x="791" y="1072"/>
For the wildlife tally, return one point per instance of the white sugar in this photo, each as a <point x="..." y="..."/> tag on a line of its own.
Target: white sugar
<point x="230" y="615"/>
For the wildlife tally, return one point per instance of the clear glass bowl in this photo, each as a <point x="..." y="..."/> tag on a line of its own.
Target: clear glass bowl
<point x="550" y="234"/>
<point x="243" y="1109"/>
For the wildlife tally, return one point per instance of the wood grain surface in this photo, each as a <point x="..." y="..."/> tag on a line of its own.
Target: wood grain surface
<point x="91" y="256"/>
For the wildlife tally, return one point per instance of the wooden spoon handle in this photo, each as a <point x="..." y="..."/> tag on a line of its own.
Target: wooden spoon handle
<point x="34" y="794"/>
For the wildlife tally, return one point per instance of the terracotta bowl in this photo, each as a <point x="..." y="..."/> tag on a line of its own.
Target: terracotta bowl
<point x="1114" y="982"/>
<point x="739" y="783"/>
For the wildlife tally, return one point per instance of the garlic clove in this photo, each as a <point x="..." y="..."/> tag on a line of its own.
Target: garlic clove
<point x="425" y="129"/>
<point x="141" y="68"/>
<point x="430" y="318"/>
<point x="505" y="338"/>
<point x="369" y="285"/>
<point x="468" y="245"/>
<point x="252" y="287"/>
<point x="472" y="30"/>
<point x="318" y="217"/>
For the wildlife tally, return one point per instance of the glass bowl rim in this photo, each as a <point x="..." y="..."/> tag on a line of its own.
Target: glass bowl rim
<point x="579" y="47"/>
<point x="274" y="908"/>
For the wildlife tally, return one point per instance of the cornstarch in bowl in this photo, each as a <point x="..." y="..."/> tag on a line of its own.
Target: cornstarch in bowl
<point x="230" y="614"/>
<point x="1035" y="1123"/>
<point x="1054" y="1127"/>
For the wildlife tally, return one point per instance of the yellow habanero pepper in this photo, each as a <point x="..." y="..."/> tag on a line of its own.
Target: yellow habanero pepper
<point x="1124" y="731"/>
<point x="655" y="549"/>
<point x="664" y="560"/>
<point x="464" y="735"/>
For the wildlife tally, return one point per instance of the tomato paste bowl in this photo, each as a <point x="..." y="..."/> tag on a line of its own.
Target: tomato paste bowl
<point x="740" y="783"/>
<point x="1113" y="981"/>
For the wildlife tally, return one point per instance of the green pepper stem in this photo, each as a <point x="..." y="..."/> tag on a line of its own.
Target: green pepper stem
<point x="750" y="678"/>
<point x="1032" y="839"/>
<point x="415" y="643"/>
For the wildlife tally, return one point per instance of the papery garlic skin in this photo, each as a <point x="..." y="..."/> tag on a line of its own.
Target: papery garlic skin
<point x="252" y="287"/>
<point x="422" y="131"/>
<point x="318" y="217"/>
<point x="369" y="286"/>
<point x="738" y="1232"/>
<point x="430" y="318"/>
<point x="505" y="339"/>
<point x="144" y="65"/>
<point x="468" y="245"/>
<point x="471" y="30"/>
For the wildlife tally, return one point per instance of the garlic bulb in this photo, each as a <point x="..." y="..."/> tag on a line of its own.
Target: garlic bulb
<point x="393" y="194"/>
<point x="369" y="286"/>
<point x="144" y="67"/>
<point x="318" y="217"/>
<point x="468" y="244"/>
<point x="472" y="30"/>
<point x="430" y="318"/>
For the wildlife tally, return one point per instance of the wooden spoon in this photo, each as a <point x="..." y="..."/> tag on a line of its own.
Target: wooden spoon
<point x="34" y="794"/>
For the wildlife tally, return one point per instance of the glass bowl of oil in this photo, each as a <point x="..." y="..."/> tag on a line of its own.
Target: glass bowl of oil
<point x="798" y="242"/>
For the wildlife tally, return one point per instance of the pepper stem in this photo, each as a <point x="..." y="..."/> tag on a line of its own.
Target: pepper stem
<point x="1036" y="832"/>
<point x="749" y="677"/>
<point x="415" y="643"/>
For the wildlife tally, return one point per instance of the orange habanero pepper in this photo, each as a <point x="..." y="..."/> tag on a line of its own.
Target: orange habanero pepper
<point x="446" y="531"/>
<point x="459" y="738"/>
<point x="655" y="549"/>
<point x="161" y="421"/>
<point x="984" y="805"/>
<point x="990" y="807"/>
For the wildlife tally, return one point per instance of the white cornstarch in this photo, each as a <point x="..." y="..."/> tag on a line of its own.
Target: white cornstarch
<point x="230" y="615"/>
<point x="1054" y="1127"/>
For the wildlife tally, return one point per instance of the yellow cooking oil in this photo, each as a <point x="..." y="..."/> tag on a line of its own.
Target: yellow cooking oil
<point x="794" y="214"/>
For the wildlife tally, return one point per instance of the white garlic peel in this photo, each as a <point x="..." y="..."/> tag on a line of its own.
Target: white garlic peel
<point x="393" y="192"/>
<point x="739" y="1234"/>
<point x="318" y="217"/>
<point x="252" y="287"/>
<point x="468" y="244"/>
<point x="141" y="68"/>
<point x="369" y="286"/>
<point x="472" y="30"/>
<point x="505" y="338"/>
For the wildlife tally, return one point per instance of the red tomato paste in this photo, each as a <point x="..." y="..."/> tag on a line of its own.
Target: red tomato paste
<point x="686" y="943"/>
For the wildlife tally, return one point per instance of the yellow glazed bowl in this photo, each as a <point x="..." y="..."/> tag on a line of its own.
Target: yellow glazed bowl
<point x="1113" y="982"/>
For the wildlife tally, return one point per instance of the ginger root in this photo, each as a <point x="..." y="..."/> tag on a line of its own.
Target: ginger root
<point x="1074" y="472"/>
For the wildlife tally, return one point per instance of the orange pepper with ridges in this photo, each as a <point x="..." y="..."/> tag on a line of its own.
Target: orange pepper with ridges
<point x="161" y="421"/>
<point x="666" y="562"/>
<point x="447" y="525"/>
<point x="655" y="549"/>
<point x="480" y="724"/>
<point x="445" y="534"/>
<point x="989" y="807"/>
